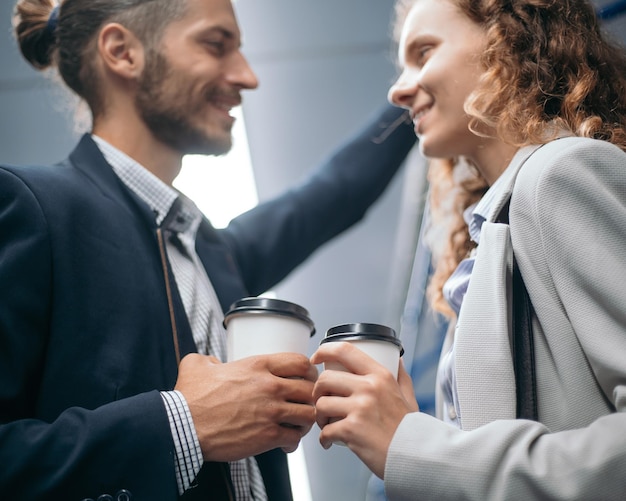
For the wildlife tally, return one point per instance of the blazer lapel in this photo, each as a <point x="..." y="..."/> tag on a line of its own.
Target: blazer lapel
<point x="484" y="367"/>
<point x="483" y="361"/>
<point x="510" y="175"/>
<point x="88" y="159"/>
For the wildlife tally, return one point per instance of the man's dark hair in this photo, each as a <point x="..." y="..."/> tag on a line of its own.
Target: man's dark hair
<point x="66" y="38"/>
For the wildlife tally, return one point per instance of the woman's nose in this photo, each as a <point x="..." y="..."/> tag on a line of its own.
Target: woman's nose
<point x="403" y="91"/>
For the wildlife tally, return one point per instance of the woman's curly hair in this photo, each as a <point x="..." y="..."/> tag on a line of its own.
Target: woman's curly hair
<point x="547" y="63"/>
<point x="548" y="66"/>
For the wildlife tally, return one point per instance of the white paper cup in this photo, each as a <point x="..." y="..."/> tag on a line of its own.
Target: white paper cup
<point x="263" y="326"/>
<point x="377" y="341"/>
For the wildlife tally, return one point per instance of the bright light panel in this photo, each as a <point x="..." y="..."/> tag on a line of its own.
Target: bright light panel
<point x="300" y="486"/>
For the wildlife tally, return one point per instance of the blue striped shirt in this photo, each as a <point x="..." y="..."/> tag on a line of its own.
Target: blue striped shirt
<point x="456" y="286"/>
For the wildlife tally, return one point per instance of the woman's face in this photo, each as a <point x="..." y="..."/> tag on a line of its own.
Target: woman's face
<point x="439" y="53"/>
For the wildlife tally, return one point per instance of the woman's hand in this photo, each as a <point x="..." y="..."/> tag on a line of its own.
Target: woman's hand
<point x="361" y="408"/>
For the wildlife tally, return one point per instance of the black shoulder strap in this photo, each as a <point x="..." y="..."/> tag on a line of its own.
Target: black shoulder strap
<point x="522" y="339"/>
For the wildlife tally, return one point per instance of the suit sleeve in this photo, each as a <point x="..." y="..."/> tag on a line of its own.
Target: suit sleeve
<point x="576" y="201"/>
<point x="281" y="233"/>
<point x="80" y="453"/>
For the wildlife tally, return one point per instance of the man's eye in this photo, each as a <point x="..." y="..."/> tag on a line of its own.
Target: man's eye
<point x="216" y="46"/>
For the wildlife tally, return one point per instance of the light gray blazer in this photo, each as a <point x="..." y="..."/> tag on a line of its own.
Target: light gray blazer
<point x="568" y="229"/>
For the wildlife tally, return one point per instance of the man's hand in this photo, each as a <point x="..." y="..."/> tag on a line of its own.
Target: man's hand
<point x="249" y="406"/>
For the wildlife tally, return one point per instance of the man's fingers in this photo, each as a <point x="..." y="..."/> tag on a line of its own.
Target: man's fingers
<point x="294" y="415"/>
<point x="291" y="365"/>
<point x="299" y="393"/>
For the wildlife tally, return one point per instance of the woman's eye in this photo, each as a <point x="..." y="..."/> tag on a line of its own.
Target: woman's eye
<point x="424" y="52"/>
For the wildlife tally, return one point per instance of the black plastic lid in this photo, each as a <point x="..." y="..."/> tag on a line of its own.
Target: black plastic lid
<point x="361" y="331"/>
<point x="255" y="305"/>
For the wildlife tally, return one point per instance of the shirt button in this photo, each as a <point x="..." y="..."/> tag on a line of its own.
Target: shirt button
<point x="105" y="497"/>
<point x="451" y="412"/>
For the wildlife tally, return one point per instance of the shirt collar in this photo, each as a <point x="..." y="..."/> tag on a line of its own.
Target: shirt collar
<point x="477" y="214"/>
<point x="159" y="196"/>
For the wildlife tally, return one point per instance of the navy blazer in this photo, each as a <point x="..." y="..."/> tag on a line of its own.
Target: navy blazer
<point x="85" y="335"/>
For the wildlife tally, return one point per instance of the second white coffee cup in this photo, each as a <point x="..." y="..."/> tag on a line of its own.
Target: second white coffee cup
<point x="378" y="341"/>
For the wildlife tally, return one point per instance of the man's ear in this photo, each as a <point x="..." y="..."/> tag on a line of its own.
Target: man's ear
<point x="121" y="51"/>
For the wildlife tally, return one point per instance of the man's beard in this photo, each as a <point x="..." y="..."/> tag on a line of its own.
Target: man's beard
<point x="166" y="107"/>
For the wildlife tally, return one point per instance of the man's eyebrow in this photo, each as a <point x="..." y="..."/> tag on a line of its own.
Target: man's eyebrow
<point x="225" y="32"/>
<point x="229" y="36"/>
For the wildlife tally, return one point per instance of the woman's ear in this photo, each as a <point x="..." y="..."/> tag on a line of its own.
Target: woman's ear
<point x="121" y="52"/>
